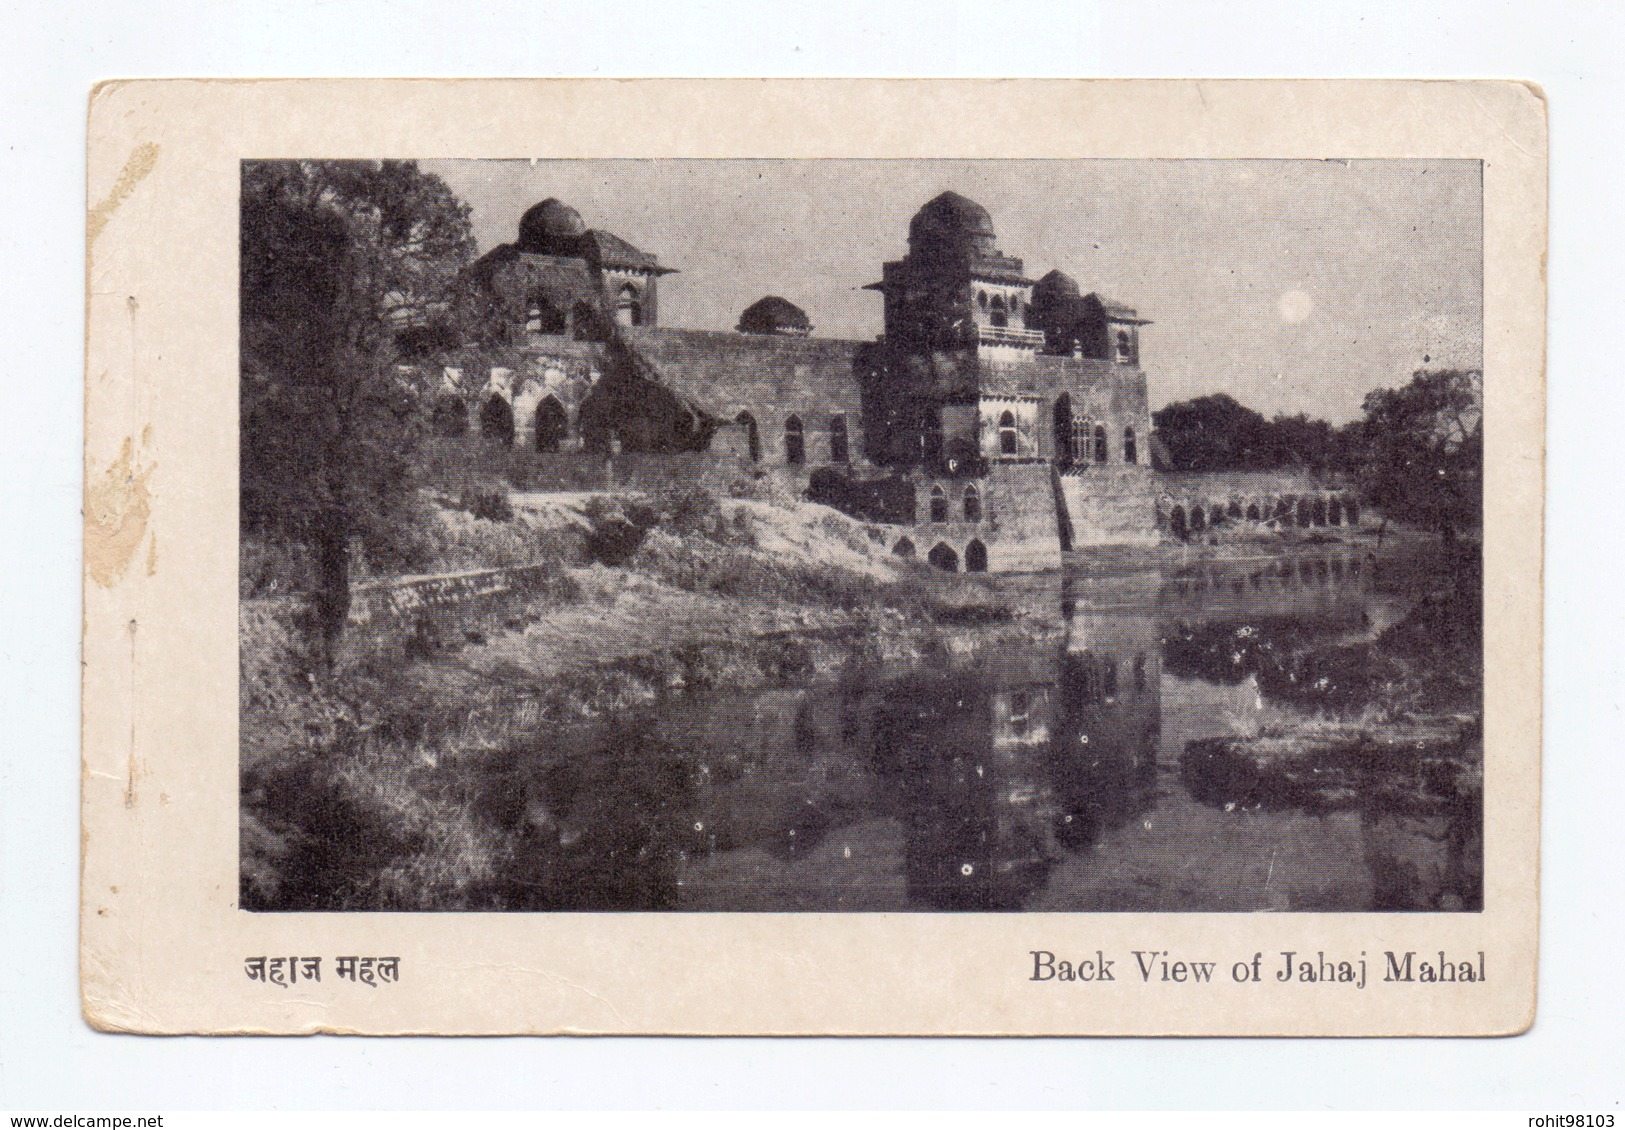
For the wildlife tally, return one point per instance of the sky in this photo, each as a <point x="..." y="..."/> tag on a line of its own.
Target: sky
<point x="1294" y="286"/>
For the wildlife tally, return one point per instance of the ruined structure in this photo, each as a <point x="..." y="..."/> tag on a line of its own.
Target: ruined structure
<point x="1005" y="418"/>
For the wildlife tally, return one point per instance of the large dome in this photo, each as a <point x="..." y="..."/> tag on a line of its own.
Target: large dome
<point x="551" y="228"/>
<point x="774" y="315"/>
<point x="1056" y="284"/>
<point x="951" y="220"/>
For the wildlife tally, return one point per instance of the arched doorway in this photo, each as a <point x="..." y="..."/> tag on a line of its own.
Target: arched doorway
<point x="795" y="444"/>
<point x="943" y="557"/>
<point x="1252" y="512"/>
<point x="973" y="504"/>
<point x="1100" y="443"/>
<point x="1283" y="511"/>
<point x="939" y="505"/>
<point x="1234" y="509"/>
<point x="1131" y="450"/>
<point x="753" y="438"/>
<point x="904" y="548"/>
<point x="838" y="452"/>
<point x="1063" y="430"/>
<point x="552" y="424"/>
<point x="1306" y="513"/>
<point x="629" y="306"/>
<point x="1176" y="523"/>
<point x="449" y="417"/>
<point x="975" y="557"/>
<point x="496" y="420"/>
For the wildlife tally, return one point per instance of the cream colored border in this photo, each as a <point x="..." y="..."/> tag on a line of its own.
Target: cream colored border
<point x="162" y="945"/>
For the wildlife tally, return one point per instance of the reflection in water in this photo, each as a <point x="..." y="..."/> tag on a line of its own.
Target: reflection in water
<point x="1034" y="769"/>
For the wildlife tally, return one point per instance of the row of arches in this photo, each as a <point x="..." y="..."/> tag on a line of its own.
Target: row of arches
<point x="1303" y="512"/>
<point x="970" y="504"/>
<point x="943" y="556"/>
<point x="551" y="430"/>
<point x="795" y="439"/>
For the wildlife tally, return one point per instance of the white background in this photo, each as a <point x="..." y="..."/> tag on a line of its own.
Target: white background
<point x="49" y="1059"/>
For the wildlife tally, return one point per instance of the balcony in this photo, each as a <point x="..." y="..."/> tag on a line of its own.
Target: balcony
<point x="1017" y="339"/>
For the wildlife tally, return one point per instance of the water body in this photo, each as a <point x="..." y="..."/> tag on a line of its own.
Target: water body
<point x="1041" y="769"/>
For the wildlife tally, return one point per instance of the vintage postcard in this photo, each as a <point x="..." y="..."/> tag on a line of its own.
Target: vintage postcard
<point x="813" y="557"/>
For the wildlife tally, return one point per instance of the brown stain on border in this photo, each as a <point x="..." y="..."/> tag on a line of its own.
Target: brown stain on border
<point x="135" y="170"/>
<point x="117" y="506"/>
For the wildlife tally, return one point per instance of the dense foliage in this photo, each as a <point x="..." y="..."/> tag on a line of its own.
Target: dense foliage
<point x="338" y="258"/>
<point x="1216" y="433"/>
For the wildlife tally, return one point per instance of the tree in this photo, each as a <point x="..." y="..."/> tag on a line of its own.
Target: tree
<point x="1422" y="450"/>
<point x="338" y="258"/>
<point x="1213" y="433"/>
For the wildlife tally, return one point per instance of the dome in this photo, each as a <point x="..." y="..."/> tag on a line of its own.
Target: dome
<point x="774" y="315"/>
<point x="551" y="228"/>
<point x="953" y="220"/>
<point x="1056" y="284"/>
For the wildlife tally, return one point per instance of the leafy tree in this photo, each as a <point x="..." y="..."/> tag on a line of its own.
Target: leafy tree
<point x="1422" y="450"/>
<point x="1213" y="433"/>
<point x="338" y="258"/>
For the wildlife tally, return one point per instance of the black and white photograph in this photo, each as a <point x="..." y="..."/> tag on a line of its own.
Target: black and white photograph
<point x="882" y="535"/>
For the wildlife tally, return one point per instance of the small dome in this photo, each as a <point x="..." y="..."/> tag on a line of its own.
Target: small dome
<point x="953" y="220"/>
<point x="551" y="228"/>
<point x="1056" y="284"/>
<point x="774" y="315"/>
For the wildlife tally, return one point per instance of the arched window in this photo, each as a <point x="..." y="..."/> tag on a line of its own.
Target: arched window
<point x="999" y="318"/>
<point x="1007" y="433"/>
<point x="904" y="548"/>
<point x="1198" y="520"/>
<point x="998" y="302"/>
<point x="496" y="420"/>
<point x="1139" y="674"/>
<point x="939" y="505"/>
<point x="973" y="504"/>
<point x="450" y="417"/>
<point x="1063" y="430"/>
<point x="1176" y="523"/>
<point x="837" y="440"/>
<point x="552" y="424"/>
<point x="795" y="445"/>
<point x="975" y="557"/>
<point x="1351" y="509"/>
<point x="1100" y="444"/>
<point x="629" y="306"/>
<point x="1319" y="512"/>
<point x="1234" y="509"/>
<point x="1125" y="345"/>
<point x="753" y="437"/>
<point x="1131" y="450"/>
<point x="1334" y="512"/>
<point x="1283" y="511"/>
<point x="981" y="297"/>
<point x="1306" y="512"/>
<point x="1021" y="704"/>
<point x="943" y="557"/>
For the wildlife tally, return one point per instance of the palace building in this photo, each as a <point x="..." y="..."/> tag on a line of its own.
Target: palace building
<point x="998" y="421"/>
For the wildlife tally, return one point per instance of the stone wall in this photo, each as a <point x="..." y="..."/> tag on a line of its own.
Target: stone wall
<point x="455" y="465"/>
<point x="772" y="378"/>
<point x="389" y="616"/>
<point x="1111" y="504"/>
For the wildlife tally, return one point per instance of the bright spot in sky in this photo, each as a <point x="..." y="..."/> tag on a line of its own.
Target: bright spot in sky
<point x="1296" y="306"/>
